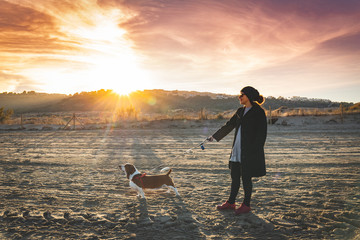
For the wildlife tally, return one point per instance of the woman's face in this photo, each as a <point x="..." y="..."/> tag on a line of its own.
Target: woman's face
<point x="243" y="98"/>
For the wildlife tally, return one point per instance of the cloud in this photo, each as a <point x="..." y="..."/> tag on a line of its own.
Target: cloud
<point x="213" y="35"/>
<point x="16" y="83"/>
<point x="42" y="42"/>
<point x="328" y="69"/>
<point x="26" y="30"/>
<point x="345" y="44"/>
<point x="193" y="45"/>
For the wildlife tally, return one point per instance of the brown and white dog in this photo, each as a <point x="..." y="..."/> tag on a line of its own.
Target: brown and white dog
<point x="140" y="181"/>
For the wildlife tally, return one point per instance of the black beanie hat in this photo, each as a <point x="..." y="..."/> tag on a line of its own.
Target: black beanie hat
<point x="252" y="94"/>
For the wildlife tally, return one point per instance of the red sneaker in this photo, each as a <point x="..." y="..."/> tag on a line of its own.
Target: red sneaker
<point x="226" y="205"/>
<point x="242" y="209"/>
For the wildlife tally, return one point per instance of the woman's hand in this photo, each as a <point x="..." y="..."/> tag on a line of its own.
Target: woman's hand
<point x="210" y="139"/>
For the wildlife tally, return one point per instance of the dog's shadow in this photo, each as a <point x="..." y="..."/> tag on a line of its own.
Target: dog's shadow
<point x="143" y="217"/>
<point x="142" y="208"/>
<point x="182" y="211"/>
<point x="178" y="214"/>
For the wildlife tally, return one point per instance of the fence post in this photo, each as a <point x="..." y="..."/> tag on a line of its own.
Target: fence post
<point x="202" y="114"/>
<point x="270" y="120"/>
<point x="342" y="113"/>
<point x="73" y="119"/>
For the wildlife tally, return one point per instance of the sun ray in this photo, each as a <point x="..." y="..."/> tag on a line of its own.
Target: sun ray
<point x="103" y="56"/>
<point x="113" y="63"/>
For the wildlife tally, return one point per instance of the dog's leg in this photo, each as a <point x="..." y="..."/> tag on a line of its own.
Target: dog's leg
<point x="137" y="188"/>
<point x="175" y="190"/>
<point x="168" y="188"/>
<point x="141" y="193"/>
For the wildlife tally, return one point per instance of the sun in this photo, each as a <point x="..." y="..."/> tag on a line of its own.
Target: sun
<point x="121" y="73"/>
<point x="105" y="59"/>
<point x="114" y="64"/>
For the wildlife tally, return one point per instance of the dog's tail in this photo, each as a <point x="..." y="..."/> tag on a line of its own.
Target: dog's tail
<point x="166" y="169"/>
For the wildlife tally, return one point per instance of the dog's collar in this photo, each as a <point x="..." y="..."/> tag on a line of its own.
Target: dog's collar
<point x="135" y="173"/>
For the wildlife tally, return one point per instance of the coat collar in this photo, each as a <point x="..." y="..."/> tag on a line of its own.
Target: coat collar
<point x="242" y="110"/>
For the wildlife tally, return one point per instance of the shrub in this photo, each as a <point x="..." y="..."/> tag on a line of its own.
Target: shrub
<point x="127" y="113"/>
<point x="220" y="116"/>
<point x="5" y="115"/>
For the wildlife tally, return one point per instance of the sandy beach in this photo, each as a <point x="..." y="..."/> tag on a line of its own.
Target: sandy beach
<point x="61" y="184"/>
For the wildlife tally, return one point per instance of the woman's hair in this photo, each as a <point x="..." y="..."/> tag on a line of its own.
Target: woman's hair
<point x="260" y="100"/>
<point x="253" y="95"/>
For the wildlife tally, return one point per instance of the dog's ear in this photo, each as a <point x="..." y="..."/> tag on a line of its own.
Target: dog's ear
<point x="129" y="169"/>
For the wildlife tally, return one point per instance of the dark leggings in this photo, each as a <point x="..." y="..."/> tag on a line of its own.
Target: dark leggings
<point x="236" y="173"/>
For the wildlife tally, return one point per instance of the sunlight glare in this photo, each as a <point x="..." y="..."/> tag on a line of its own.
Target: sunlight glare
<point x="106" y="60"/>
<point x="104" y="29"/>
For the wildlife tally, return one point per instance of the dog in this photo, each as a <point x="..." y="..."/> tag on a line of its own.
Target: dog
<point x="138" y="181"/>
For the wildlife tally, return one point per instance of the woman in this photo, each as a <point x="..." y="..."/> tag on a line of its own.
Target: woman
<point x="247" y="158"/>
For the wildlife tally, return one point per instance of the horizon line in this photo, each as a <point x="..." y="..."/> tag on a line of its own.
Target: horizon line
<point x="157" y="89"/>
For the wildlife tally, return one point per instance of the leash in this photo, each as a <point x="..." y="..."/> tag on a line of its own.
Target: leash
<point x="201" y="145"/>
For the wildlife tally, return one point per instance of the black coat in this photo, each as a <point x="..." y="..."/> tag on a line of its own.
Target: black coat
<point x="253" y="136"/>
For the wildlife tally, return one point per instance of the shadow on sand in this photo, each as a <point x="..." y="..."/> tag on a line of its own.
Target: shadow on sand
<point x="174" y="220"/>
<point x="252" y="224"/>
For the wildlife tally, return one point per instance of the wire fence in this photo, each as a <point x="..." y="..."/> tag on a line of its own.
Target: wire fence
<point x="67" y="120"/>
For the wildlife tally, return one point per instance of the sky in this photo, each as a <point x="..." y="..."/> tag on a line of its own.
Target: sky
<point x="281" y="47"/>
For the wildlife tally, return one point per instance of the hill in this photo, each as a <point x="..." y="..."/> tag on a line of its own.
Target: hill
<point x="147" y="101"/>
<point x="29" y="101"/>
